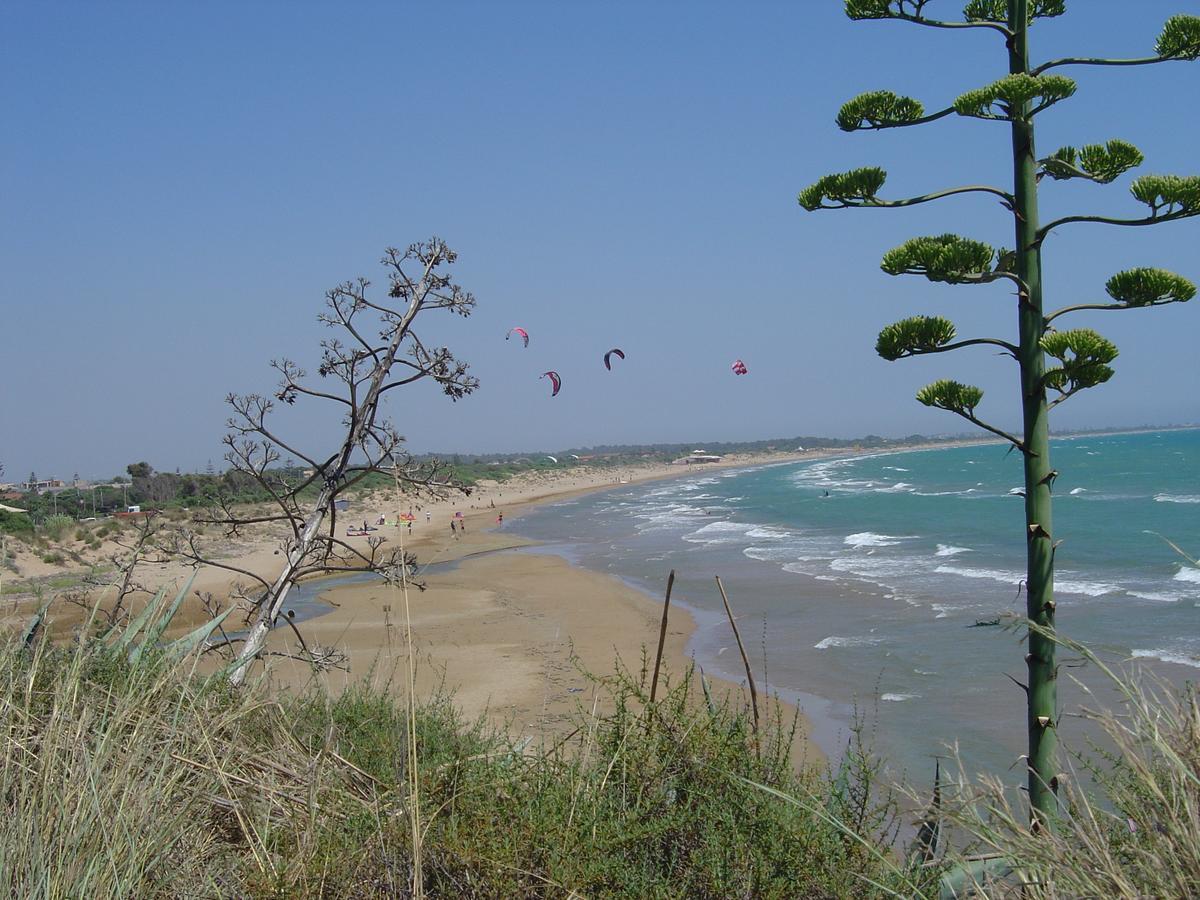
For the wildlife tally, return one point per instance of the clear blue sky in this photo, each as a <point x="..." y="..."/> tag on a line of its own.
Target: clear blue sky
<point x="182" y="182"/>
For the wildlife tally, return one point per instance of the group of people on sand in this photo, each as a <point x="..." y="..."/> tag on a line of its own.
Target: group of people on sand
<point x="458" y="524"/>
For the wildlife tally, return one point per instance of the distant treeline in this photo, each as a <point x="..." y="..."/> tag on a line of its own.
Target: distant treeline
<point x="144" y="487"/>
<point x="620" y="454"/>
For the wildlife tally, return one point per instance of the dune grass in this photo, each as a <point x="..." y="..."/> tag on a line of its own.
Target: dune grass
<point x="146" y="779"/>
<point x="149" y="780"/>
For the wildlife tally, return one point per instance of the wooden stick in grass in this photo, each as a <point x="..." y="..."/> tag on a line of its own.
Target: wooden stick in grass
<point x="662" y="635"/>
<point x="745" y="659"/>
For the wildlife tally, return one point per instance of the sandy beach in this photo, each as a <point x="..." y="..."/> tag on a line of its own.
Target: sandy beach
<point x="508" y="630"/>
<point x="519" y="636"/>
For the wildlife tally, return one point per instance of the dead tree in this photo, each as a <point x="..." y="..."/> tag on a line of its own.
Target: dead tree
<point x="376" y="352"/>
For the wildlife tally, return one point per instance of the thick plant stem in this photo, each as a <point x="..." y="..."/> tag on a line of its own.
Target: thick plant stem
<point x="1039" y="584"/>
<point x="360" y="420"/>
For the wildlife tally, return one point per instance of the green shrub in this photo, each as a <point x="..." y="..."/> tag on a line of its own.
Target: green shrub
<point x="15" y="523"/>
<point x="56" y="526"/>
<point x="145" y="780"/>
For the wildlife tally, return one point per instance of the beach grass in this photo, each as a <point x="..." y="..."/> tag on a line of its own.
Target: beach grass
<point x="144" y="778"/>
<point x="149" y="780"/>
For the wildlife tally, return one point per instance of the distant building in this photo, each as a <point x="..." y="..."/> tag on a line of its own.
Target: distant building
<point x="697" y="457"/>
<point x="43" y="485"/>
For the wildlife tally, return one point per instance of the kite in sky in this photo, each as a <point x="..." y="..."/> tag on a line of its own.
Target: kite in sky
<point x="739" y="367"/>
<point x="519" y="331"/>
<point x="554" y="380"/>
<point x="608" y="357"/>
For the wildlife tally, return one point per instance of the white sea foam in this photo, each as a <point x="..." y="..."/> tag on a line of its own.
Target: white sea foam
<point x="950" y="550"/>
<point x="897" y="698"/>
<point x="1177" y="498"/>
<point x="875" y="567"/>
<point x="896" y="468"/>
<point x="720" y="532"/>
<point x="1004" y="577"/>
<point x="1157" y="596"/>
<point x="1077" y="491"/>
<point x="871" y="539"/>
<point x="767" y="533"/>
<point x="1168" y="656"/>
<point x="667" y="515"/>
<point x="1087" y="588"/>
<point x="804" y="567"/>
<point x="943" y="610"/>
<point x="1188" y="574"/>
<point x="834" y="641"/>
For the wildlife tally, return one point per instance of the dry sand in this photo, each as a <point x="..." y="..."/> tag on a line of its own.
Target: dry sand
<point x="519" y="636"/>
<point x="509" y="633"/>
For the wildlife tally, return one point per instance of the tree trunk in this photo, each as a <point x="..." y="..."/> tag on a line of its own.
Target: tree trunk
<point x="1039" y="584"/>
<point x="361" y="420"/>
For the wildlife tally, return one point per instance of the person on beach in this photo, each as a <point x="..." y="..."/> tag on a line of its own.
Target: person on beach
<point x="500" y="520"/>
<point x="453" y="528"/>
<point x="428" y="516"/>
<point x="462" y="526"/>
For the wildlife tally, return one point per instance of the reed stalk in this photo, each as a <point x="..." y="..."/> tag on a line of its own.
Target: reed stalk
<point x="662" y="635"/>
<point x="745" y="661"/>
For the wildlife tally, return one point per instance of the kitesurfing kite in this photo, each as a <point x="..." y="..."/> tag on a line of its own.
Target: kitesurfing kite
<point x="518" y="331"/>
<point x="553" y="459"/>
<point x="608" y="357"/>
<point x="739" y="367"/>
<point x="554" y="380"/>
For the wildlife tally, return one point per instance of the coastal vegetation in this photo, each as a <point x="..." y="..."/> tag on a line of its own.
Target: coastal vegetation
<point x="127" y="772"/>
<point x="1051" y="362"/>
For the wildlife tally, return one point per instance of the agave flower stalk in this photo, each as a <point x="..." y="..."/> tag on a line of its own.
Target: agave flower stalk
<point x="1079" y="358"/>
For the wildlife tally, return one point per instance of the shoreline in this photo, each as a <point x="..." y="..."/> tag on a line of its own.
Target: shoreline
<point x="492" y="571"/>
<point x="486" y="581"/>
<point x="512" y="626"/>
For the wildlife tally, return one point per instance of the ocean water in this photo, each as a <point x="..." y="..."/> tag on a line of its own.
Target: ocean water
<point x="857" y="581"/>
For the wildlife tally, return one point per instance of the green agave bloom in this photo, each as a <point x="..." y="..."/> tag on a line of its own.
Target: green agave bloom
<point x="858" y="186"/>
<point x="999" y="99"/>
<point x="918" y="334"/>
<point x="1101" y="162"/>
<point x="878" y="108"/>
<point x="1168" y="193"/>
<point x="869" y="9"/>
<point x="1149" y="287"/>
<point x="997" y="10"/>
<point x="952" y="396"/>
<point x="1180" y="38"/>
<point x="1083" y="356"/>
<point x="947" y="258"/>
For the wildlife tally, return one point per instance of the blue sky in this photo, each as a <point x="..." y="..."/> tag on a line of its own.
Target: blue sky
<point x="181" y="184"/>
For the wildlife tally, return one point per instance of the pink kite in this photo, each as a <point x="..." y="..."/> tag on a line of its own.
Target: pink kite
<point x="739" y="367"/>
<point x="521" y="332"/>
<point x="554" y="380"/>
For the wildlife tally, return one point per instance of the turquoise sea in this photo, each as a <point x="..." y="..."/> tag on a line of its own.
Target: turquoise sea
<point x="857" y="580"/>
